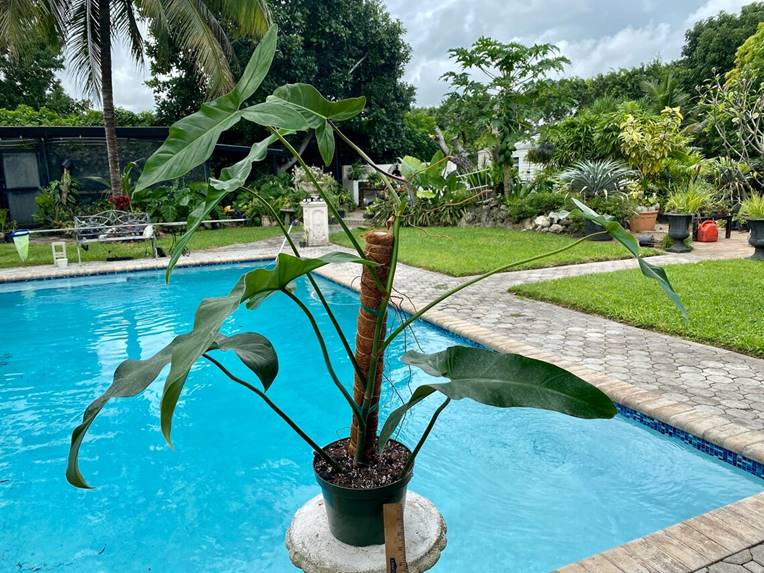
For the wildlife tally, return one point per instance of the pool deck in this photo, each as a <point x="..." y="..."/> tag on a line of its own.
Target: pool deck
<point x="712" y="393"/>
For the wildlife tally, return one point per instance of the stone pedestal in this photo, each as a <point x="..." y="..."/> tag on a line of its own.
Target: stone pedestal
<point x="315" y="216"/>
<point x="313" y="549"/>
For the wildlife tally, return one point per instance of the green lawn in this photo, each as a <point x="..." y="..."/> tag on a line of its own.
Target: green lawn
<point x="725" y="301"/>
<point x="460" y="251"/>
<point x="40" y="252"/>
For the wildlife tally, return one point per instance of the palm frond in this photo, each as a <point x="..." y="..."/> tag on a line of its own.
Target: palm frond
<point x="84" y="44"/>
<point x="253" y="17"/>
<point x="125" y="24"/>
<point x="22" y="19"/>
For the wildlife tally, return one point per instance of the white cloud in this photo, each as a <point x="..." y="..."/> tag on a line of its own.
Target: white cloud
<point x="597" y="35"/>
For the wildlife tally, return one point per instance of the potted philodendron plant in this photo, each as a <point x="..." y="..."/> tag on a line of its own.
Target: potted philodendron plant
<point x="752" y="213"/>
<point x="682" y="206"/>
<point x="366" y="469"/>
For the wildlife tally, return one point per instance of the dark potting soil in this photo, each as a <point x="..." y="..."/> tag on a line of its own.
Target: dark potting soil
<point x="384" y="470"/>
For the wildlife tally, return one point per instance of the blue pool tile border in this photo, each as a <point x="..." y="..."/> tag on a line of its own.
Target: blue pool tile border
<point x="718" y="452"/>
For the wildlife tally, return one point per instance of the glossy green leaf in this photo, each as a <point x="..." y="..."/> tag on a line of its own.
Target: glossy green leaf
<point x="130" y="379"/>
<point x="235" y="176"/>
<point x="325" y="139"/>
<point x="192" y="140"/>
<point x="314" y="107"/>
<point x="255" y="351"/>
<point x="210" y="315"/>
<point x="257" y="67"/>
<point x="275" y="114"/>
<point x="504" y="381"/>
<point x="621" y="235"/>
<point x="261" y="283"/>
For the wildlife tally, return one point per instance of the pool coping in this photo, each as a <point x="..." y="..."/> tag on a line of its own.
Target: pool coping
<point x="686" y="547"/>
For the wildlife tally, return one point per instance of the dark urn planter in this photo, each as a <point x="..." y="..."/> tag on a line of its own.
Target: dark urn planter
<point x="355" y="515"/>
<point x="679" y="231"/>
<point x="590" y="228"/>
<point x="756" y="240"/>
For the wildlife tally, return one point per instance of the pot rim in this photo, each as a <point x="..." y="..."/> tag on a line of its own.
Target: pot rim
<point x="405" y="479"/>
<point x="679" y="214"/>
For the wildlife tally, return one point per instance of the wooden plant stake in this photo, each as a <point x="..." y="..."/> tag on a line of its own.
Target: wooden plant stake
<point x="379" y="248"/>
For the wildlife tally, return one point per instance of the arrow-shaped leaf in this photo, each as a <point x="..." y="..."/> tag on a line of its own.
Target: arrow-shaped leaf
<point x="503" y="381"/>
<point x="192" y="140"/>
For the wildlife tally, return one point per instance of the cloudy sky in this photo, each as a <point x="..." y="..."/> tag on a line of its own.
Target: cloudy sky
<point x="596" y="35"/>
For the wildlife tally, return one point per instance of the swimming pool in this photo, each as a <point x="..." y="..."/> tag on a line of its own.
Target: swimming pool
<point x="521" y="490"/>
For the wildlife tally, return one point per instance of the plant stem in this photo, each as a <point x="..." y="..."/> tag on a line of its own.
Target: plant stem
<point x="313" y="282"/>
<point x="423" y="439"/>
<point x="384" y="174"/>
<point x="316" y="448"/>
<point x="325" y="352"/>
<point x="320" y="191"/>
<point x="456" y="289"/>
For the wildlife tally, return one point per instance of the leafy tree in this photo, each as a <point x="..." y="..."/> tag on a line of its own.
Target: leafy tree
<point x="711" y="44"/>
<point x="510" y="97"/>
<point x="749" y="59"/>
<point x="343" y="47"/>
<point x="88" y="27"/>
<point x="30" y="78"/>
<point x="25" y="115"/>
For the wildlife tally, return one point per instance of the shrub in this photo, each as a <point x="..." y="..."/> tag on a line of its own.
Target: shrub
<point x="535" y="204"/>
<point x="696" y="198"/>
<point x="752" y="208"/>
<point x="619" y="207"/>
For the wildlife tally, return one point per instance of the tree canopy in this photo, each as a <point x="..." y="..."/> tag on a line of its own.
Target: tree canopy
<point x="345" y="48"/>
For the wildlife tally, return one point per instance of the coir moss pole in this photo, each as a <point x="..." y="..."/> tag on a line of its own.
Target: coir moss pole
<point x="379" y="248"/>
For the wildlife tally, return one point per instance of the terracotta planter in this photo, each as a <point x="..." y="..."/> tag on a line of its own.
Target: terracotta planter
<point x="643" y="221"/>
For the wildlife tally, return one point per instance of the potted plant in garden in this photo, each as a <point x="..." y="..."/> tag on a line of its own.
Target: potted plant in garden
<point x="366" y="469"/>
<point x="602" y="180"/>
<point x="752" y="213"/>
<point x="682" y="206"/>
<point x="647" y="208"/>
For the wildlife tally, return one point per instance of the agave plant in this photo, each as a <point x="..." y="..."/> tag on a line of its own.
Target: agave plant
<point x="597" y="178"/>
<point x="490" y="378"/>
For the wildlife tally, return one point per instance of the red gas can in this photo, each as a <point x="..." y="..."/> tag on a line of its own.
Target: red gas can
<point x="708" y="232"/>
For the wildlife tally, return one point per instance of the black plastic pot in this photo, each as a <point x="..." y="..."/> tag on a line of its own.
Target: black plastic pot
<point x="756" y="240"/>
<point x="355" y="515"/>
<point x="679" y="231"/>
<point x="590" y="228"/>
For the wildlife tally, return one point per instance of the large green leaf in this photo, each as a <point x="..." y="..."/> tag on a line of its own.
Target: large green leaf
<point x="192" y="139"/>
<point x="503" y="381"/>
<point x="621" y="235"/>
<point x="276" y="114"/>
<point x="258" y="66"/>
<point x="210" y="315"/>
<point x="314" y="107"/>
<point x="130" y="379"/>
<point x="255" y="351"/>
<point x="261" y="283"/>
<point x="317" y="111"/>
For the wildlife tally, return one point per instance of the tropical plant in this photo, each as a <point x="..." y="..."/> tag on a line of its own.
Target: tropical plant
<point x="752" y="208"/>
<point x="595" y="178"/>
<point x="127" y="181"/>
<point x="88" y="28"/>
<point x="697" y="197"/>
<point x="491" y="378"/>
<point x="664" y="93"/>
<point x="732" y="179"/>
<point x="171" y="203"/>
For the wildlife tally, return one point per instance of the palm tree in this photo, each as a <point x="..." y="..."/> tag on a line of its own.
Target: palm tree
<point x="664" y="93"/>
<point x="87" y="28"/>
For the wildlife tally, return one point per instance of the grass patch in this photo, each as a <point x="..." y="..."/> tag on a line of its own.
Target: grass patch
<point x="40" y="252"/>
<point x="459" y="252"/>
<point x="724" y="299"/>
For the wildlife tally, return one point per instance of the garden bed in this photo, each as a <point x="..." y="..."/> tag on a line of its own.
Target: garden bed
<point x="459" y="251"/>
<point x="40" y="250"/>
<point x="725" y="301"/>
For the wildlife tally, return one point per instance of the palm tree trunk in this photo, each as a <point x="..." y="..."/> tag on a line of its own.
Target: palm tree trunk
<point x="107" y="98"/>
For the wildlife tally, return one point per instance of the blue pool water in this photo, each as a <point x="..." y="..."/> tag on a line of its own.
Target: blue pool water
<point x="521" y="490"/>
